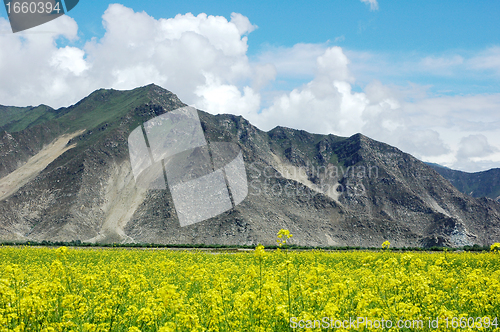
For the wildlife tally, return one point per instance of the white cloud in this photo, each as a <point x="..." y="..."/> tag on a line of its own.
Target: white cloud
<point x="242" y="23"/>
<point x="324" y="105"/>
<point x="178" y="53"/>
<point x="216" y="97"/>
<point x="443" y="65"/>
<point x="409" y="117"/>
<point x="473" y="68"/>
<point x="486" y="60"/>
<point x="475" y="153"/>
<point x="263" y="74"/>
<point x="425" y="142"/>
<point x="70" y="59"/>
<point x="298" y="61"/>
<point x="373" y="4"/>
<point x="432" y="128"/>
<point x="333" y="65"/>
<point x="475" y="146"/>
<point x="203" y="59"/>
<point x="34" y="70"/>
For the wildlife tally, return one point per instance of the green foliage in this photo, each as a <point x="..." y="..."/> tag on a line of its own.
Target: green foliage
<point x="102" y="106"/>
<point x="15" y="119"/>
<point x="78" y="243"/>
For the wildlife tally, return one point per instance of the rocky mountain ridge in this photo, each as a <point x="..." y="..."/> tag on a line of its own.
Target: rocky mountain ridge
<point x="477" y="184"/>
<point x="327" y="190"/>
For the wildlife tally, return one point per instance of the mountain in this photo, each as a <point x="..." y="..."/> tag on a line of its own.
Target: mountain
<point x="478" y="184"/>
<point x="66" y="175"/>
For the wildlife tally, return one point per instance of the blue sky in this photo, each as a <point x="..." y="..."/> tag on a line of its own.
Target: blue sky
<point x="397" y="26"/>
<point x="422" y="75"/>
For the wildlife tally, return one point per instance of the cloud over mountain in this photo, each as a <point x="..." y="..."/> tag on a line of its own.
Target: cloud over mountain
<point x="204" y="60"/>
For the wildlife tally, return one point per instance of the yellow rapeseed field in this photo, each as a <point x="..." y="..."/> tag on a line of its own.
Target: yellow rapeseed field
<point x="43" y="289"/>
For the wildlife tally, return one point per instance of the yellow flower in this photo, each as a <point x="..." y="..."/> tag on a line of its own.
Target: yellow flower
<point x="62" y="250"/>
<point x="165" y="290"/>
<point x="495" y="247"/>
<point x="386" y="244"/>
<point x="283" y="236"/>
<point x="260" y="252"/>
<point x="134" y="329"/>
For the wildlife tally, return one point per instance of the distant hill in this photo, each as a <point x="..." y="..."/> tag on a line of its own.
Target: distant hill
<point x="478" y="184"/>
<point x="65" y="175"/>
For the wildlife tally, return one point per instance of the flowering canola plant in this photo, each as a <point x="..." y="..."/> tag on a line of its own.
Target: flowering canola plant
<point x="283" y="236"/>
<point x="89" y="290"/>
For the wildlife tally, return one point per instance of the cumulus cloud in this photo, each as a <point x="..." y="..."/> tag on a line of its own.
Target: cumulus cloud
<point x="180" y="53"/>
<point x="34" y="70"/>
<point x="203" y="59"/>
<point x="475" y="146"/>
<point x="69" y="59"/>
<point x="324" y="105"/>
<point x="475" y="153"/>
<point x="242" y="23"/>
<point x="409" y="117"/>
<point x="184" y="54"/>
<point x="425" y="142"/>
<point x="263" y="74"/>
<point x="431" y="128"/>
<point x="216" y="97"/>
<point x="333" y="65"/>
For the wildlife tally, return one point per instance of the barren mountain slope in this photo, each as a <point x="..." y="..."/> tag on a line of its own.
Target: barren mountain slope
<point x="327" y="190"/>
<point x="478" y="184"/>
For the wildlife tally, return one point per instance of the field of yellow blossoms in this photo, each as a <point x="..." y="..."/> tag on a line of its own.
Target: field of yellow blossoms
<point x="64" y="289"/>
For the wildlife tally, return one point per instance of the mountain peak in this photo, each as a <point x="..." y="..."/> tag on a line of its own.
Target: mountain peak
<point x="329" y="190"/>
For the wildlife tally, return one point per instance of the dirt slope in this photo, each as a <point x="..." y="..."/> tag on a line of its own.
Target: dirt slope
<point x="15" y="180"/>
